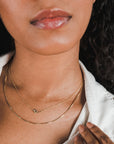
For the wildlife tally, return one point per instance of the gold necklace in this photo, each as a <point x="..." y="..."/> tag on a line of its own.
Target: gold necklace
<point x="31" y="122"/>
<point x="34" y="110"/>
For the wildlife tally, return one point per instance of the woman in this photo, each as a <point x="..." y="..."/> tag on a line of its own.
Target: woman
<point x="47" y="94"/>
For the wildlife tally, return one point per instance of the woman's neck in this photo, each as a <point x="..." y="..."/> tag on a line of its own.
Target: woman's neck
<point x="47" y="75"/>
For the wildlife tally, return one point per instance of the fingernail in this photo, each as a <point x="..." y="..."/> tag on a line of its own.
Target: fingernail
<point x="81" y="128"/>
<point x="89" y="125"/>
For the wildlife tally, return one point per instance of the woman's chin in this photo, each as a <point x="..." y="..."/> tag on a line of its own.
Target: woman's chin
<point x="50" y="50"/>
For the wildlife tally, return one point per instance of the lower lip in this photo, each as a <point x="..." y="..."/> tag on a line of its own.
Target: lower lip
<point x="51" y="23"/>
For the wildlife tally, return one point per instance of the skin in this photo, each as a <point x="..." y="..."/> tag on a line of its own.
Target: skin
<point x="49" y="58"/>
<point x="91" y="134"/>
<point x="48" y="52"/>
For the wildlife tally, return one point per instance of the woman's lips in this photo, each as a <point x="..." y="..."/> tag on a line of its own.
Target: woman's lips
<point x="51" y="19"/>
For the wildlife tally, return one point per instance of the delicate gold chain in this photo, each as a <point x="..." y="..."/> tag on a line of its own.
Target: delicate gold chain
<point x="28" y="105"/>
<point x="46" y="122"/>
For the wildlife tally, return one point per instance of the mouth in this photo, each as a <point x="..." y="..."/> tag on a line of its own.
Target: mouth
<point x="51" y="19"/>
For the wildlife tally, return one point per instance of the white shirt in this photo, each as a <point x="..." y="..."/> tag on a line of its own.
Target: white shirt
<point x="99" y="106"/>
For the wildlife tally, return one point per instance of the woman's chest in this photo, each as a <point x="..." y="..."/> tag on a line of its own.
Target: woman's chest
<point x="15" y="130"/>
<point x="19" y="134"/>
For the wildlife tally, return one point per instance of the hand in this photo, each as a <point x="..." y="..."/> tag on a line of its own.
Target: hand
<point x="91" y="134"/>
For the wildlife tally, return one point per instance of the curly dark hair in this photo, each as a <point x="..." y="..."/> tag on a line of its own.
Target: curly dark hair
<point x="96" y="46"/>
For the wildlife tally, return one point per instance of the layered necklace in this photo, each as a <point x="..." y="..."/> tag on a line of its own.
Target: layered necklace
<point x="34" y="110"/>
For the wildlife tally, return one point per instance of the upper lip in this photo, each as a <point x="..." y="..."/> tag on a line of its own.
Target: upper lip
<point x="50" y="13"/>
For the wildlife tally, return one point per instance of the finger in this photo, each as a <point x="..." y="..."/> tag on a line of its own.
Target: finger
<point x="101" y="136"/>
<point x="78" y="140"/>
<point x="87" y="135"/>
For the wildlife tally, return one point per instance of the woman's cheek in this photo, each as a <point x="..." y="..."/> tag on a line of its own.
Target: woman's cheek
<point x="81" y="18"/>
